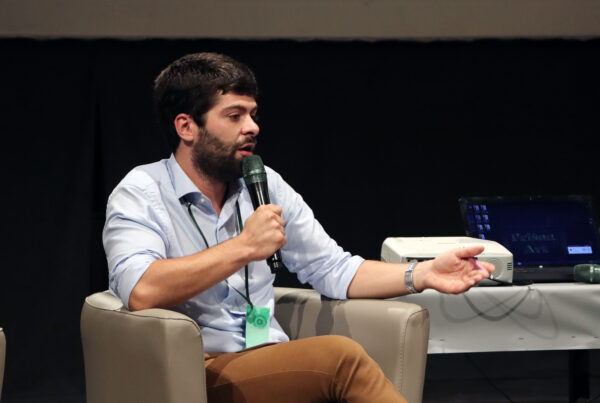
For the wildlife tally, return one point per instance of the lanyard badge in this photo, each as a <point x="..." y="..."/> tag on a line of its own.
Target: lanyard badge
<point x="258" y="319"/>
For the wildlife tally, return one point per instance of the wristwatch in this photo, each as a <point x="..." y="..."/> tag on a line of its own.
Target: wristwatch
<point x="408" y="279"/>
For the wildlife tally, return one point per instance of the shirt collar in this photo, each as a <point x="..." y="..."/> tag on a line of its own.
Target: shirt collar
<point x="184" y="186"/>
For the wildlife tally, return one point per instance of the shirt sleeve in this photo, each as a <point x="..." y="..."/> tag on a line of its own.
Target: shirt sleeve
<point x="310" y="252"/>
<point x="134" y="235"/>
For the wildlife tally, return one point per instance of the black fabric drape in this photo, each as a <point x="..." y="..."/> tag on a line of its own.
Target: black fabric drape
<point x="380" y="138"/>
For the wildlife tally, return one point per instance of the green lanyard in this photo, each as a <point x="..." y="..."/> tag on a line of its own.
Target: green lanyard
<point x="241" y="225"/>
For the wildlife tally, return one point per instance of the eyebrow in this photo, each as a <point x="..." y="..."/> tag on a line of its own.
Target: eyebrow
<point x="239" y="107"/>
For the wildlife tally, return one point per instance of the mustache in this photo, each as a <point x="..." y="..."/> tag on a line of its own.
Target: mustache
<point x="244" y="143"/>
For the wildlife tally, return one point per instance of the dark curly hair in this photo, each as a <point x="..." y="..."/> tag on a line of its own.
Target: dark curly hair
<point x="191" y="85"/>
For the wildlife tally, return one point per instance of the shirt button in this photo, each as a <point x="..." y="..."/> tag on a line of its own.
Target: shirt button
<point x="202" y="200"/>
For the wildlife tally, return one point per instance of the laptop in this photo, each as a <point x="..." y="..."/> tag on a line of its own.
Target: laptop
<point x="547" y="235"/>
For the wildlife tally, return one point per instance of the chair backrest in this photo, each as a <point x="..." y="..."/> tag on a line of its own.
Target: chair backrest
<point x="155" y="355"/>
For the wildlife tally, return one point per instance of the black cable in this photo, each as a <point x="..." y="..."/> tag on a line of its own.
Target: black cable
<point x="502" y="282"/>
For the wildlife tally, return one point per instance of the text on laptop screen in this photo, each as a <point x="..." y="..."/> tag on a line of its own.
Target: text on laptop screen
<point x="538" y="232"/>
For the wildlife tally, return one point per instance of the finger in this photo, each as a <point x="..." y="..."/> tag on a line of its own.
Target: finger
<point x="274" y="220"/>
<point x="469" y="251"/>
<point x="280" y="221"/>
<point x="274" y="208"/>
<point x="489" y="266"/>
<point x="481" y="265"/>
<point x="479" y="277"/>
<point x="271" y="208"/>
<point x="270" y="212"/>
<point x="476" y="264"/>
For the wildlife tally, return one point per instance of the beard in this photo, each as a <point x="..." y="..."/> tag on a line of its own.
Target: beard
<point x="216" y="159"/>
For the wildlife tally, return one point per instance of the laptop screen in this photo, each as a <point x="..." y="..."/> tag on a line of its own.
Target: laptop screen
<point x="539" y="231"/>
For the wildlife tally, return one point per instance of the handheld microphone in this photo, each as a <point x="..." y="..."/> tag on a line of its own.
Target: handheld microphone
<point x="256" y="182"/>
<point x="587" y="273"/>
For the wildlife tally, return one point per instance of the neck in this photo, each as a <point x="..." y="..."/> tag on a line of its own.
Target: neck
<point x="213" y="189"/>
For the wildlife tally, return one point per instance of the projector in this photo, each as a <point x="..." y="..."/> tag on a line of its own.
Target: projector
<point x="410" y="249"/>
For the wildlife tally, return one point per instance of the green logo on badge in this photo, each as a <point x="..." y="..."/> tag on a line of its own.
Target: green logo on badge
<point x="257" y="316"/>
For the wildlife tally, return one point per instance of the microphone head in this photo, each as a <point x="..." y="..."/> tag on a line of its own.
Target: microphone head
<point x="253" y="169"/>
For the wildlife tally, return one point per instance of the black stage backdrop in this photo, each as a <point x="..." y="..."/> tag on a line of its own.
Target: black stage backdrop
<point x="380" y="138"/>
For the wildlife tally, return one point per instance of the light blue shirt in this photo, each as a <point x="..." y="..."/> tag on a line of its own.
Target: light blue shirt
<point x="147" y="220"/>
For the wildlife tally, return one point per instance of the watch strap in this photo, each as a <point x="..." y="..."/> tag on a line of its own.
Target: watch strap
<point x="408" y="279"/>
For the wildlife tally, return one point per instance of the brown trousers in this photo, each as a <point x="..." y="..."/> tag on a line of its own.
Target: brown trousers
<point x="315" y="369"/>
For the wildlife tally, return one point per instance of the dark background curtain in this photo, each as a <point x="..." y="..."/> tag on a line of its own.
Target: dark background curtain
<point x="380" y="138"/>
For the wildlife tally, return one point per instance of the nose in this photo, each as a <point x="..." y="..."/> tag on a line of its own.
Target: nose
<point x="250" y="126"/>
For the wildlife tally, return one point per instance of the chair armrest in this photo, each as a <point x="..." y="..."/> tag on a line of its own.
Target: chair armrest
<point x="153" y="355"/>
<point x="394" y="333"/>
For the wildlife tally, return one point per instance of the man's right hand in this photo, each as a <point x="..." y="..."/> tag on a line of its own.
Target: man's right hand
<point x="263" y="232"/>
<point x="168" y="282"/>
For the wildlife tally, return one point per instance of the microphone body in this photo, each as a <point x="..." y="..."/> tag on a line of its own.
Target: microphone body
<point x="256" y="182"/>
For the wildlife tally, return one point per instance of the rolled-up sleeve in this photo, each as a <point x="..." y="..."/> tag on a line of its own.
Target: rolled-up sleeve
<point x="133" y="235"/>
<point x="310" y="252"/>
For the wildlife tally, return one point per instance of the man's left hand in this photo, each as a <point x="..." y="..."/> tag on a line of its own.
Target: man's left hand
<point x="452" y="272"/>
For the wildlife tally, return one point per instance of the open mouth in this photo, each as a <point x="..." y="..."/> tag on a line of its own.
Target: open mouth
<point x="248" y="147"/>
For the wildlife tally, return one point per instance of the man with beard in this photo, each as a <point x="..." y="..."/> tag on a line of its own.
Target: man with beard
<point x="182" y="234"/>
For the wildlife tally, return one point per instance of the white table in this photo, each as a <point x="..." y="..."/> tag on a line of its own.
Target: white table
<point x="537" y="317"/>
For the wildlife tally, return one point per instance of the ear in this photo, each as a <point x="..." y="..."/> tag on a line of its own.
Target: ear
<point x="185" y="125"/>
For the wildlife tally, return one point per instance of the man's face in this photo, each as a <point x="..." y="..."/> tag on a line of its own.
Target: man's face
<point x="228" y="136"/>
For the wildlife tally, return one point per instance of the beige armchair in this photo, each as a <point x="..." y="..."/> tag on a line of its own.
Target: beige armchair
<point x="156" y="355"/>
